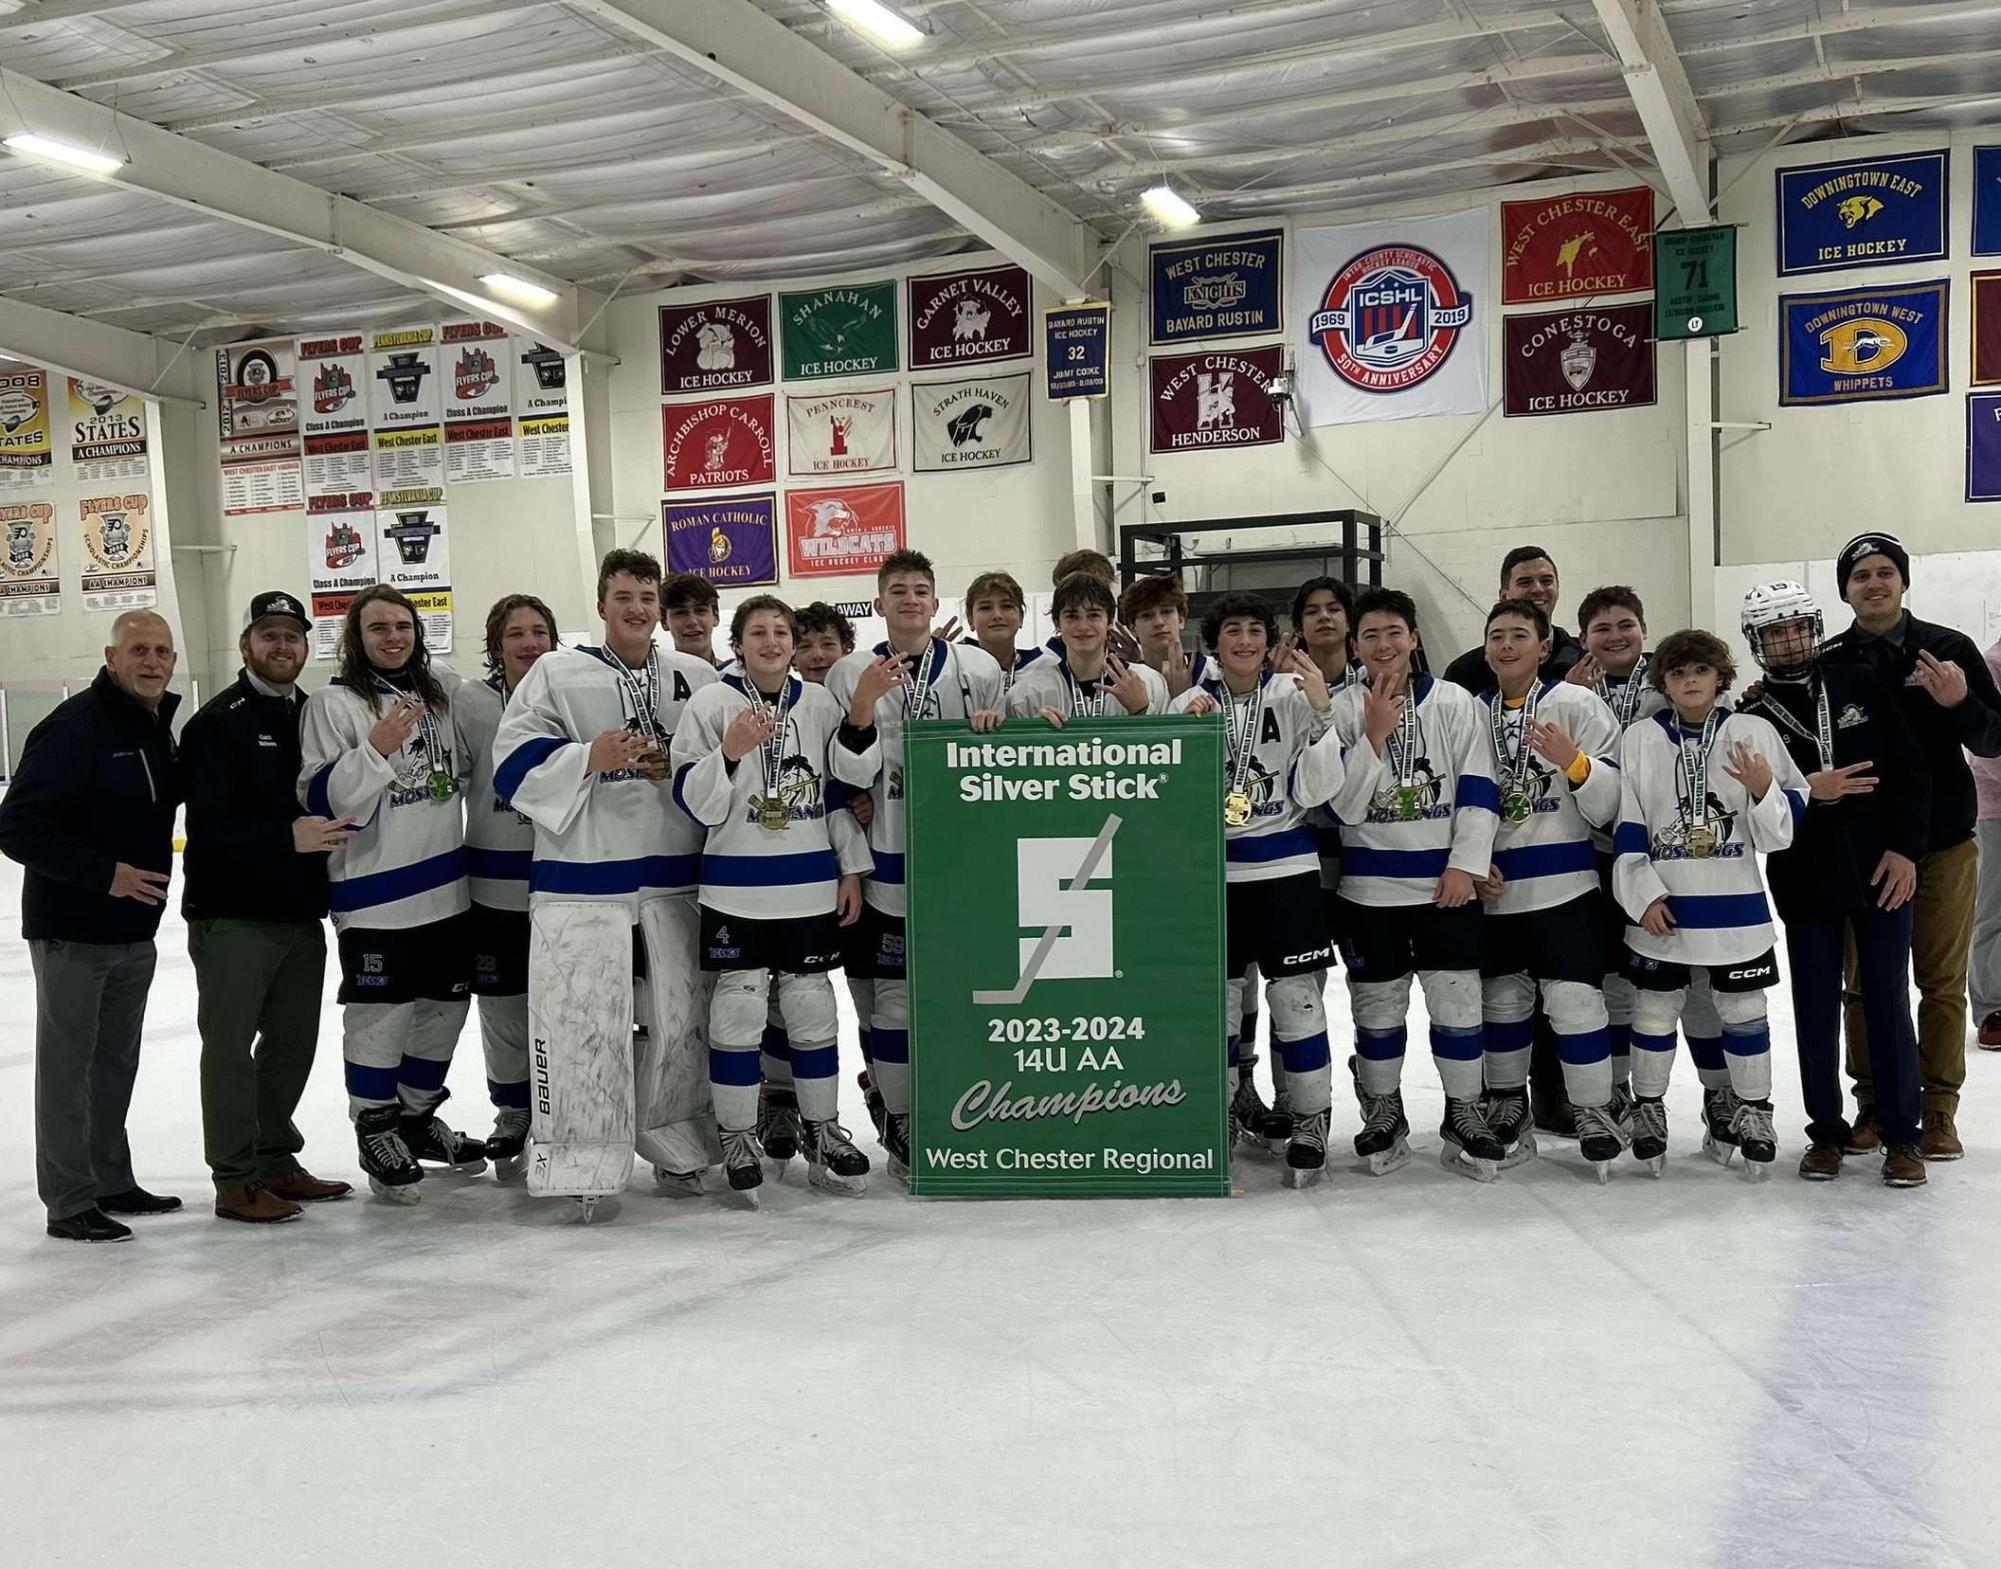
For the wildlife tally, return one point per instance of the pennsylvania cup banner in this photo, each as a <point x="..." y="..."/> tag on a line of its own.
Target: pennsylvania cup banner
<point x="715" y="345"/>
<point x="1863" y="212"/>
<point x="1213" y="401"/>
<point x="107" y="433"/>
<point x="842" y="532"/>
<point x="1576" y="361"/>
<point x="718" y="443"/>
<point x="27" y="456"/>
<point x="541" y="408"/>
<point x="830" y="433"/>
<point x="1862" y="344"/>
<point x="1983" y="447"/>
<point x="970" y="424"/>
<point x="117" y="552"/>
<point x="341" y="556"/>
<point x="1220" y="286"/>
<point x="731" y="540"/>
<point x="257" y="404"/>
<point x="405" y="389"/>
<point x="1588" y="242"/>
<point x="1987" y="201"/>
<point x="848" y="330"/>
<point x="29" y="582"/>
<point x="1986" y="329"/>
<point x="969" y="318"/>
<point x="414" y="552"/>
<point x="1393" y="317"/>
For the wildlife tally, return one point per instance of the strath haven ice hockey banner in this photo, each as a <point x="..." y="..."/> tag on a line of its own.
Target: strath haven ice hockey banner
<point x="731" y="540"/>
<point x="840" y="432"/>
<point x="970" y="424"/>
<point x="1865" y="212"/>
<point x="1066" y="1039"/>
<point x="1215" y="400"/>
<point x="1587" y="242"/>
<point x="1394" y="317"/>
<point x="1857" y="345"/>
<point x="1575" y="361"/>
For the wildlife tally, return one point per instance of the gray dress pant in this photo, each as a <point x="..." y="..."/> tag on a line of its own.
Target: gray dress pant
<point x="90" y="1004"/>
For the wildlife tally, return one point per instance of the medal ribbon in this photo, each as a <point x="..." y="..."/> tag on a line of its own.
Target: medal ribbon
<point x="437" y="758"/>
<point x="1625" y="702"/>
<point x="641" y="695"/>
<point x="1081" y="706"/>
<point x="1693" y="765"/>
<point x="918" y="693"/>
<point x="1243" y="735"/>
<point x="1516" y="765"/>
<point x="1823" y="741"/>
<point x="1405" y="742"/>
<point x="774" y="749"/>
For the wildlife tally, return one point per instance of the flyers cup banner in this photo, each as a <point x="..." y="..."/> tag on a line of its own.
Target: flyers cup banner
<point x="118" y="552"/>
<point x="1986" y="329"/>
<point x="970" y="424"/>
<point x="1220" y="286"/>
<point x="969" y="318"/>
<point x="333" y="376"/>
<point x="1860" y="345"/>
<point x="29" y="582"/>
<point x="1393" y="320"/>
<point x="732" y="540"/>
<point x="1220" y="399"/>
<point x="716" y="344"/>
<point x="718" y="442"/>
<point x="830" y="433"/>
<point x="1588" y="242"/>
<point x="341" y="560"/>
<point x="1576" y="361"/>
<point x="478" y="371"/>
<point x="1863" y="212"/>
<point x="837" y="532"/>
<point x="849" y="330"/>
<point x="257" y="405"/>
<point x="1983" y="447"/>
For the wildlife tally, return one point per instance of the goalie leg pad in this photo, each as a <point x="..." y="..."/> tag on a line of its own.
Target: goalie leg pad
<point x="676" y="1125"/>
<point x="580" y="1049"/>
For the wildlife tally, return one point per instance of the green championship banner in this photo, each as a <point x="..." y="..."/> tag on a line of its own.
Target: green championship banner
<point x="1065" y="947"/>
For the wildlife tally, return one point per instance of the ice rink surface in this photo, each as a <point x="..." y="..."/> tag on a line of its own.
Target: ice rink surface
<point x="1414" y="1370"/>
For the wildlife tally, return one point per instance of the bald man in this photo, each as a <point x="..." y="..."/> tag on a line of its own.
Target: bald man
<point x="90" y="814"/>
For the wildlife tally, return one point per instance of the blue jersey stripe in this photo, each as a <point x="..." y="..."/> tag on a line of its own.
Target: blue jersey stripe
<point x="1546" y="860"/>
<point x="530" y="755"/>
<point x="1260" y="848"/>
<point x="769" y="871"/>
<point x="349" y="894"/>
<point x="616" y="877"/>
<point x="1366" y="861"/>
<point x="1719" y="911"/>
<point x="1475" y="791"/>
<point x="499" y="865"/>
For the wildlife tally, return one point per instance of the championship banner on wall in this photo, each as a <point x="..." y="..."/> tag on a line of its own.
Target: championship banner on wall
<point x="968" y="318"/>
<point x="1986" y="328"/>
<point x="338" y="464"/>
<point x="1065" y="1040"/>
<point x="479" y="402"/>
<point x="274" y="486"/>
<point x="1220" y="286"/>
<point x="714" y="345"/>
<point x="117" y="552"/>
<point x="107" y="441"/>
<point x="27" y="456"/>
<point x="843" y="532"/>
<point x="478" y="450"/>
<point x="333" y="372"/>
<point x="845" y="331"/>
<point x="1864" y="212"/>
<point x="1589" y="242"/>
<point x="1202" y="402"/>
<point x="1862" y="344"/>
<point x="257" y="408"/>
<point x="1987" y="201"/>
<point x="404" y="389"/>
<point x="840" y="432"/>
<point x="732" y="541"/>
<point x="1983" y="446"/>
<point x="414" y="553"/>
<point x="409" y="459"/>
<point x="723" y="442"/>
<point x="541" y="408"/>
<point x="1077" y="351"/>
<point x="29" y="582"/>
<point x="340" y="561"/>
<point x="970" y="424"/>
<point x="1393" y="318"/>
<point x="1577" y="361"/>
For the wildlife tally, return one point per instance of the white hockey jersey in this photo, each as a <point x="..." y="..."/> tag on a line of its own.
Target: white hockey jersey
<point x="1049" y="684"/>
<point x="406" y="864"/>
<point x="1708" y="872"/>
<point x="1547" y="858"/>
<point x="749" y="870"/>
<point x="957" y="681"/>
<point x="1632" y="699"/>
<point x="1157" y="696"/>
<point x="612" y="836"/>
<point x="500" y="842"/>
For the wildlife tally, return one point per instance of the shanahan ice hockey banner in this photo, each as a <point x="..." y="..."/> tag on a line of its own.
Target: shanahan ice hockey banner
<point x="1064" y="1039"/>
<point x="970" y="424"/>
<point x="1394" y="316"/>
<point x="1586" y="242"/>
<point x="1575" y="361"/>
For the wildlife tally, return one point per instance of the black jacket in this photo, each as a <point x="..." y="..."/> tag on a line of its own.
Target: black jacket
<point x="1975" y="724"/>
<point x="1838" y="843"/>
<point x="240" y="761"/>
<point x="98" y="784"/>
<point x="1470" y="668"/>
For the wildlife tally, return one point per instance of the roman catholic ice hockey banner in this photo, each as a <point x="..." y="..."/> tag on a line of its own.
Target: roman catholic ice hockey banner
<point x="1588" y="242"/>
<point x="1987" y="201"/>
<point x="842" y="531"/>
<point x="840" y="432"/>
<point x="1214" y="400"/>
<point x="717" y="344"/>
<point x="731" y="540"/>
<point x="1862" y="212"/>
<point x="1065" y="1039"/>
<point x="718" y="443"/>
<point x="414" y="551"/>
<point x="1983" y="447"/>
<point x="1578" y="360"/>
<point x="340" y="561"/>
<point x="1393" y="317"/>
<point x="846" y="330"/>
<point x="30" y="585"/>
<point x="117" y="552"/>
<point x="968" y="318"/>
<point x="1861" y="344"/>
<point x="970" y="424"/>
<point x="1220" y="286"/>
<point x="107" y="433"/>
<point x="1986" y="328"/>
<point x="27" y="456"/>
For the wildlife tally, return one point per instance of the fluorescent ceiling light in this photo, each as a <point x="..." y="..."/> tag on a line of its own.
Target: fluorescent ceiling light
<point x="1170" y="207"/>
<point x="63" y="152"/>
<point x="878" y="21"/>
<point x="518" y="289"/>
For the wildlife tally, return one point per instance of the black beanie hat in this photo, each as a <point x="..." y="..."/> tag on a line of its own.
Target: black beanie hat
<point x="1863" y="546"/>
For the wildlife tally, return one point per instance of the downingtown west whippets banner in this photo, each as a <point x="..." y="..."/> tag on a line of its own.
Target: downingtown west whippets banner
<point x="1862" y="212"/>
<point x="1582" y="243"/>
<point x="1859" y="345"/>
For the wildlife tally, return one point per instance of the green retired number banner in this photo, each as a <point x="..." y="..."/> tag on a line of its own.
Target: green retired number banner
<point x="1065" y="945"/>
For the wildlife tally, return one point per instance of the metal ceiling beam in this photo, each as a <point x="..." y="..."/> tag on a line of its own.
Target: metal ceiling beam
<point x="1851" y="109"/>
<point x="95" y="351"/>
<point x="1849" y="22"/>
<point x="1666" y="104"/>
<point x="1534" y="152"/>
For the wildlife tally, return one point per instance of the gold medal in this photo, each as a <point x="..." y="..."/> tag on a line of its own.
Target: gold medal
<point x="1236" y="808"/>
<point x="774" y="814"/>
<point x="1516" y="806"/>
<point x="1702" y="840"/>
<point x="1407" y="803"/>
<point x="441" y="786"/>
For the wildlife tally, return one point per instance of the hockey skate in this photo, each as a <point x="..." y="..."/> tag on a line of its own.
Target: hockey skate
<point x="833" y="1164"/>
<point x="507" y="1145"/>
<point x="1621" y="1110"/>
<point x="872" y="1099"/>
<point x="678" y="1184"/>
<point x="1470" y="1146"/>
<point x="1306" y="1151"/>
<point x="431" y="1138"/>
<point x="778" y="1126"/>
<point x="742" y="1165"/>
<point x="1384" y="1142"/>
<point x="896" y="1143"/>
<point x="1650" y="1133"/>
<point x="1751" y="1132"/>
<point x="1508" y="1115"/>
<point x="1279" y="1120"/>
<point x="1252" y="1122"/>
<point x="392" y="1172"/>
<point x="1598" y="1139"/>
<point x="1719" y="1114"/>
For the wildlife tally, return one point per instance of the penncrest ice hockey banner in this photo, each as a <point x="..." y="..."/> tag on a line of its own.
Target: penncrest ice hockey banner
<point x="1862" y="212"/>
<point x="970" y="424"/>
<point x="1856" y="345"/>
<point x="1393" y="318"/>
<point x="840" y="432"/>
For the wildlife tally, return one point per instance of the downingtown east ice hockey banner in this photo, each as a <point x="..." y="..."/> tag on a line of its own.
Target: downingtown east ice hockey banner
<point x="1065" y="949"/>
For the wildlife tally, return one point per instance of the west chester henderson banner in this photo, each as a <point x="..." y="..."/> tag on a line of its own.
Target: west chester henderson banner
<point x="715" y="345"/>
<point x="730" y="540"/>
<point x="1577" y="361"/>
<point x="1220" y="286"/>
<point x="1863" y="212"/>
<point x="1215" y="400"/>
<point x="1588" y="242"/>
<point x="968" y="318"/>
<point x="1859" y="345"/>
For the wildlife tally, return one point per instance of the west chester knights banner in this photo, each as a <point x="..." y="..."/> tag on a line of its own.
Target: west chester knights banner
<point x="1065" y="942"/>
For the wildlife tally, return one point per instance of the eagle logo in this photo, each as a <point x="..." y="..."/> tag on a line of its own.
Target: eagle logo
<point x="966" y="428"/>
<point x="1857" y="210"/>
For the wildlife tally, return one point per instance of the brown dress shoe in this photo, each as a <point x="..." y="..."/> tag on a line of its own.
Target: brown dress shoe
<point x="1940" y="1139"/>
<point x="1821" y="1163"/>
<point x="1902" y="1168"/>
<point x="1990" y="1032"/>
<point x="302" y="1187"/>
<point x="1864" y="1137"/>
<point x="255" y="1203"/>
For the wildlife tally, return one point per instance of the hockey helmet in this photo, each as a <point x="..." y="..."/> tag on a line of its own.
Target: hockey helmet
<point x="1771" y="605"/>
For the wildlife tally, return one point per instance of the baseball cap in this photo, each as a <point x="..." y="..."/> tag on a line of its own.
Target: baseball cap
<point x="276" y="603"/>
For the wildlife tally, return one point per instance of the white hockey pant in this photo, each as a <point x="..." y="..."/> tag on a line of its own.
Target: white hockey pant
<point x="1381" y="1009"/>
<point x="738" y="1011"/>
<point x="397" y="1052"/>
<point x="1576" y="1015"/>
<point x="889" y="1044"/>
<point x="1619" y="993"/>
<point x="503" y="1031"/>
<point x="1298" y="1034"/>
<point x="1738" y="1055"/>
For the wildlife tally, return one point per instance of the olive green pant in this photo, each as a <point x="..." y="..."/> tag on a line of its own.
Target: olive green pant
<point x="259" y="1013"/>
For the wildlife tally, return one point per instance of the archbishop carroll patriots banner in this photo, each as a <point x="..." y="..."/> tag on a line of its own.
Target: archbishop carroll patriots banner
<point x="723" y="442"/>
<point x="117" y="552"/>
<point x="1983" y="447"/>
<point x="1987" y="201"/>
<point x="848" y="330"/>
<point x="1589" y="242"/>
<point x="341" y="559"/>
<point x="333" y="415"/>
<point x="970" y="424"/>
<point x="1575" y="361"/>
<point x="1393" y="317"/>
<point x="968" y="318"/>
<point x="732" y="541"/>
<point x="107" y="441"/>
<point x="717" y="344"/>
<point x="1220" y="286"/>
<point x="27" y="457"/>
<point x="1202" y="402"/>
<point x="843" y="532"/>
<point x="1862" y="344"/>
<point x="1066" y="1040"/>
<point x="840" y="432"/>
<point x="1868" y="212"/>
<point x="1986" y="328"/>
<point x="29" y="582"/>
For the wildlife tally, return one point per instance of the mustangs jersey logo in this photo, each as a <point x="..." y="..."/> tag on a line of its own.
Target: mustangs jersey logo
<point x="1390" y="318"/>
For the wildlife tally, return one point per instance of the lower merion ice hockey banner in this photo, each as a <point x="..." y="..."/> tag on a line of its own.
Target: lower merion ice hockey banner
<point x="1066" y="1037"/>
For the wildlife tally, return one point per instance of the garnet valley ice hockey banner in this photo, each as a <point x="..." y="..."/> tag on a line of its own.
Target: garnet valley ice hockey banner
<point x="1579" y="360"/>
<point x="1587" y="242"/>
<point x="1394" y="316"/>
<point x="970" y="424"/>
<point x="840" y="432"/>
<point x="1215" y="400"/>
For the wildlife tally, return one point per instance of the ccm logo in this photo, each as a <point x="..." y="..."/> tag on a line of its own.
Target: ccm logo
<point x="1315" y="957"/>
<point x="1755" y="973"/>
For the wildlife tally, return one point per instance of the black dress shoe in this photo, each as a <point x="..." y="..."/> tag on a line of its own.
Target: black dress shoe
<point x="93" y="1225"/>
<point x="137" y="1201"/>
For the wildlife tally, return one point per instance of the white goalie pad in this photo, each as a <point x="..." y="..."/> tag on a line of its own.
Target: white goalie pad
<point x="677" y="1124"/>
<point x="580" y="1050"/>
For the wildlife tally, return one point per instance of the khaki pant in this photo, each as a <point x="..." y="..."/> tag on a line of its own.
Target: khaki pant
<point x="1942" y="934"/>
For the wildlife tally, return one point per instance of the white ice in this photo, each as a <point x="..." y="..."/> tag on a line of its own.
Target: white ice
<point x="1414" y="1370"/>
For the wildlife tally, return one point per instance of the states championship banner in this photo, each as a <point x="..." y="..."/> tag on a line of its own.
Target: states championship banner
<point x="1588" y="242"/>
<point x="842" y="531"/>
<point x="719" y="443"/>
<point x="27" y="457"/>
<point x="1201" y="402"/>
<point x="1863" y="212"/>
<point x="717" y="344"/>
<point x="848" y="330"/>
<point x="968" y="318"/>
<point x="840" y="432"/>
<point x="731" y="540"/>
<point x="1859" y="345"/>
<point x="1220" y="286"/>
<point x="1066" y="1040"/>
<point x="970" y="424"/>
<point x="1575" y="361"/>
<point x="107" y="433"/>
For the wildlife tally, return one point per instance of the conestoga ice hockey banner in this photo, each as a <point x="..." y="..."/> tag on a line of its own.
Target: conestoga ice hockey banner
<point x="1065" y="1040"/>
<point x="1578" y="361"/>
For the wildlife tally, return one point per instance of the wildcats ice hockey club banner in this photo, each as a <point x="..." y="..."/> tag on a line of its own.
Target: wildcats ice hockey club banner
<point x="1986" y="328"/>
<point x="1065" y="1041"/>
<point x="967" y="318"/>
<point x="27" y="457"/>
<point x="340" y="560"/>
<point x="1983" y="446"/>
<point x="719" y="343"/>
<point x="1205" y="401"/>
<point x="732" y="541"/>
<point x="970" y="424"/>
<point x="1862" y="344"/>
<point x="717" y="443"/>
<point x="840" y="433"/>
<point x="1393" y="315"/>
<point x="1575" y="361"/>
<point x="835" y="533"/>
<point x="849" y="330"/>
<point x="1868" y="212"/>
<point x="117" y="552"/>
<point x="29" y="582"/>
<point x="1221" y="286"/>
<point x="1589" y="242"/>
<point x="1987" y="201"/>
<point x="107" y="439"/>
